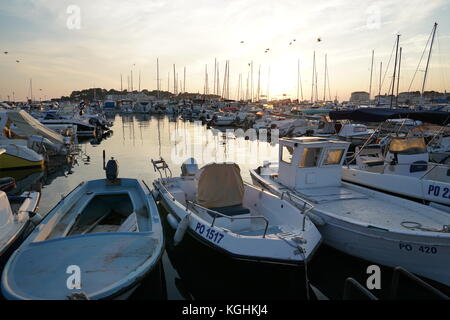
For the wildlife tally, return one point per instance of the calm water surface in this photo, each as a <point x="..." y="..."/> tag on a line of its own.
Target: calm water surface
<point x="191" y="271"/>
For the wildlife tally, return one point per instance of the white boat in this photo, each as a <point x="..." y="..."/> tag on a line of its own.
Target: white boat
<point x="107" y="229"/>
<point x="223" y="119"/>
<point x="17" y="217"/>
<point x="359" y="221"/>
<point x="355" y="133"/>
<point x="215" y="207"/>
<point x="403" y="170"/>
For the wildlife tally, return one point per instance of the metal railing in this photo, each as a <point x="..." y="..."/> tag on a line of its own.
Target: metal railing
<point x="303" y="209"/>
<point x="216" y="214"/>
<point x="161" y="166"/>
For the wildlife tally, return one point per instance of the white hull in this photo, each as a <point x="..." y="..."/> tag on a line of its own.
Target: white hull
<point x="249" y="244"/>
<point x="409" y="186"/>
<point x="424" y="253"/>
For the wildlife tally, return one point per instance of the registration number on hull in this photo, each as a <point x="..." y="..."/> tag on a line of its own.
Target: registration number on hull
<point x="208" y="233"/>
<point x="414" y="248"/>
<point x="437" y="191"/>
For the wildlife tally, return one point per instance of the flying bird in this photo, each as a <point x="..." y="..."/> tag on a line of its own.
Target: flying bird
<point x="242" y="41"/>
<point x="6" y="52"/>
<point x="319" y="39"/>
<point x="290" y="43"/>
<point x="17" y="61"/>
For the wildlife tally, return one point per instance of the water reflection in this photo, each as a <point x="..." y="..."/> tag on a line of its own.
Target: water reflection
<point x="190" y="271"/>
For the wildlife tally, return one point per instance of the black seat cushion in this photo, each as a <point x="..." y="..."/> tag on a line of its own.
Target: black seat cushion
<point x="230" y="210"/>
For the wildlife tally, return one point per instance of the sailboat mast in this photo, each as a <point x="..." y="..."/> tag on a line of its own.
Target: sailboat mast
<point x="157" y="77"/>
<point x="268" y="86"/>
<point x="325" y="80"/>
<point x="379" y="84"/>
<point x="174" y="80"/>
<point x="398" y="77"/>
<point x="184" y="80"/>
<point x="121" y="86"/>
<point x="139" y="80"/>
<point x="251" y="82"/>
<point x="313" y="75"/>
<point x="259" y="83"/>
<point x="371" y="73"/>
<point x="428" y="59"/>
<point x="298" y="80"/>
<point x="215" y="76"/>
<point x="395" y="69"/>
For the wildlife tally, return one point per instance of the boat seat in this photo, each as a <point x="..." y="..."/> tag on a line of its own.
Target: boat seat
<point x="373" y="163"/>
<point x="230" y="211"/>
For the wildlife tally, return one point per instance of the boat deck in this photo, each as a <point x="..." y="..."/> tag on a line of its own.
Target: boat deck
<point x="375" y="209"/>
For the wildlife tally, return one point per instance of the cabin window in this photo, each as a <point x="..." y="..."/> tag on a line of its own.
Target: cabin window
<point x="310" y="157"/>
<point x="286" y="154"/>
<point x="359" y="129"/>
<point x="333" y="156"/>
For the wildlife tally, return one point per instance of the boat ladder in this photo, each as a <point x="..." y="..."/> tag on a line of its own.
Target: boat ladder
<point x="161" y="167"/>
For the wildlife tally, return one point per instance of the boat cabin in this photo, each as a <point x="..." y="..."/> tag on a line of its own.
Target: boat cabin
<point x="353" y="129"/>
<point x="403" y="155"/>
<point x="311" y="162"/>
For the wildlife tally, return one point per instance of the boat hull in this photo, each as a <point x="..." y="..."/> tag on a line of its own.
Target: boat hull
<point x="9" y="162"/>
<point x="252" y="249"/>
<point x="425" y="256"/>
<point x="111" y="264"/>
<point x="413" y="187"/>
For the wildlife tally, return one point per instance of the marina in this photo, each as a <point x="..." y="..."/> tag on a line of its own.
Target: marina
<point x="285" y="185"/>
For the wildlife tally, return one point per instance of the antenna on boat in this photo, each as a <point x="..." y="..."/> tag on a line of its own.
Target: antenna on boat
<point x="111" y="169"/>
<point x="104" y="159"/>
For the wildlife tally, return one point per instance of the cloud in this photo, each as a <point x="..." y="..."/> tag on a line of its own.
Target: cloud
<point x="115" y="34"/>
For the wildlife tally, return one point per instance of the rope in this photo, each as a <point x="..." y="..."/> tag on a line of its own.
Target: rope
<point x="420" y="61"/>
<point x="415" y="225"/>
<point x="302" y="251"/>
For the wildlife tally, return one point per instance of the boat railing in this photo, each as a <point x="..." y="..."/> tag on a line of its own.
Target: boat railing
<point x="218" y="214"/>
<point x="307" y="206"/>
<point x="161" y="167"/>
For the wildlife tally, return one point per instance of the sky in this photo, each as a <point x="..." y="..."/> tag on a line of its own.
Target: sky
<point x="72" y="45"/>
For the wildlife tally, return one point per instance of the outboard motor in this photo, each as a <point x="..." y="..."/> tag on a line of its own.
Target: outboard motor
<point x="111" y="168"/>
<point x="189" y="167"/>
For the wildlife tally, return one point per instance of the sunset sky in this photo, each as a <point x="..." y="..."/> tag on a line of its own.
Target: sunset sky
<point x="118" y="36"/>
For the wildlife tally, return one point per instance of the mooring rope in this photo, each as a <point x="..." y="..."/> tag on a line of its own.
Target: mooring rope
<point x="416" y="225"/>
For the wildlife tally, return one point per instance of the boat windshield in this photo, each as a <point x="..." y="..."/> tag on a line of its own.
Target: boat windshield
<point x="408" y="146"/>
<point x="333" y="156"/>
<point x="286" y="154"/>
<point x="310" y="157"/>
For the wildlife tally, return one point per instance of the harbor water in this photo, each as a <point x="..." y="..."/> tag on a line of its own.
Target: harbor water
<point x="191" y="271"/>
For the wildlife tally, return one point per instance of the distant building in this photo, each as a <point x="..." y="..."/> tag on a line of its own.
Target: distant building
<point x="133" y="96"/>
<point x="359" y="96"/>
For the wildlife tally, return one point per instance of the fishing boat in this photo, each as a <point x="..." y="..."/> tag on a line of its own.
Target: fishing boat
<point x="17" y="217"/>
<point x="236" y="219"/>
<point x="402" y="169"/>
<point x="107" y="229"/>
<point x="365" y="223"/>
